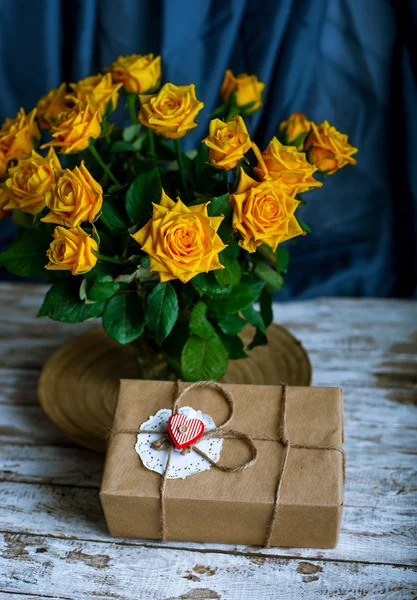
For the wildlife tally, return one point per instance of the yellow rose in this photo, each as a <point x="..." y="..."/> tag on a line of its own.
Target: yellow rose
<point x="138" y="72"/>
<point x="181" y="241"/>
<point x="30" y="182"/>
<point x="294" y="130"/>
<point x="51" y="105"/>
<point x="4" y="199"/>
<point x="227" y="142"/>
<point x="263" y="213"/>
<point x="73" y="129"/>
<point x="248" y="89"/>
<point x="286" y="164"/>
<point x="16" y="136"/>
<point x="98" y="90"/>
<point x="71" y="250"/>
<point x="3" y="163"/>
<point x="328" y="149"/>
<point x="76" y="197"/>
<point x="170" y="112"/>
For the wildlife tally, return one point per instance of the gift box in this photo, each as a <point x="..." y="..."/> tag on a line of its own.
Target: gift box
<point x="281" y="474"/>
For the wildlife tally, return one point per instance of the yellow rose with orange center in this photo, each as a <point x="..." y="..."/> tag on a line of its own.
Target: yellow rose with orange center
<point x="294" y="130"/>
<point x="172" y="111"/>
<point x="248" y="89"/>
<point x="29" y="182"/>
<point x="4" y="199"/>
<point x="181" y="241"/>
<point x="17" y="135"/>
<point x="227" y="142"/>
<point x="97" y="90"/>
<point x="76" y="197"/>
<point x="286" y="164"/>
<point x="73" y="129"/>
<point x="263" y="213"/>
<point x="72" y="250"/>
<point x="51" y="105"/>
<point x="328" y="149"/>
<point x="138" y="72"/>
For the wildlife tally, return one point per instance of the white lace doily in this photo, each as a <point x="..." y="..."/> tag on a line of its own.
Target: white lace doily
<point x="181" y="465"/>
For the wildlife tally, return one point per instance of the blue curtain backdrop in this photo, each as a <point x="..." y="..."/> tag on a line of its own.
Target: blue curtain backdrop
<point x="348" y="61"/>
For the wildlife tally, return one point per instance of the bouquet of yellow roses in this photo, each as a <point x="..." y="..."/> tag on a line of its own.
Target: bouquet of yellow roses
<point x="168" y="247"/>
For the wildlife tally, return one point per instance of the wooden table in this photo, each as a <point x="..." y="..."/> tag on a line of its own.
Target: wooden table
<point x="55" y="543"/>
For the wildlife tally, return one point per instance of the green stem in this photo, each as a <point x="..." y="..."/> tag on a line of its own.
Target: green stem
<point x="131" y="105"/>
<point x="102" y="164"/>
<point x="151" y="144"/>
<point x="105" y="258"/>
<point x="180" y="162"/>
<point x="269" y="255"/>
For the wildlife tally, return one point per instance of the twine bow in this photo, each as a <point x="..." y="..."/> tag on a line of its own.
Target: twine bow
<point x="165" y="443"/>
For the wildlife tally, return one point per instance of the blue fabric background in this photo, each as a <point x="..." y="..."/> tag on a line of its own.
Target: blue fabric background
<point x="348" y="61"/>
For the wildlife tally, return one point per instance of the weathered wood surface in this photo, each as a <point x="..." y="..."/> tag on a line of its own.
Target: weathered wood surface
<point x="55" y="543"/>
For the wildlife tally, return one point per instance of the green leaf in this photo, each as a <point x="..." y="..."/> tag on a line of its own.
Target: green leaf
<point x="23" y="219"/>
<point x="256" y="289"/>
<point x="144" y="190"/>
<point x="273" y="280"/>
<point x="173" y="345"/>
<point x="219" y="110"/>
<point x="231" y="273"/>
<point x="131" y="132"/>
<point x="101" y="268"/>
<point x="113" y="216"/>
<point x="304" y="226"/>
<point x="234" y="346"/>
<point x="204" y="359"/>
<point x="199" y="325"/>
<point x="123" y="318"/>
<point x="83" y="290"/>
<point x="161" y="311"/>
<point x="103" y="288"/>
<point x="62" y="303"/>
<point x="265" y="303"/>
<point x="283" y="258"/>
<point x="121" y="146"/>
<point x="232" y="324"/>
<point x="260" y="339"/>
<point x="220" y="205"/>
<point x="254" y="318"/>
<point x="206" y="283"/>
<point x="26" y="255"/>
<point x="232" y="249"/>
<point x="239" y="298"/>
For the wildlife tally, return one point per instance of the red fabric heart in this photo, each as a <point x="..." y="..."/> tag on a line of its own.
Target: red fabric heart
<point x="184" y="432"/>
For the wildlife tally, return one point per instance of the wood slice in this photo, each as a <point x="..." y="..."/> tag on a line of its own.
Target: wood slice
<point x="79" y="384"/>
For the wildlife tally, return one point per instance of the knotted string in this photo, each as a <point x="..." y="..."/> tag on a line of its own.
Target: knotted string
<point x="165" y="443"/>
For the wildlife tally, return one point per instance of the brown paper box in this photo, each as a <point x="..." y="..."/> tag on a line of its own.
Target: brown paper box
<point x="232" y="507"/>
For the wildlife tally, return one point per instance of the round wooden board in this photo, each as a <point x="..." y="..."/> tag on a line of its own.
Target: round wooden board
<point x="78" y="385"/>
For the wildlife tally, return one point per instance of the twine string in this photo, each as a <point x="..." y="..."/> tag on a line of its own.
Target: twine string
<point x="165" y="443"/>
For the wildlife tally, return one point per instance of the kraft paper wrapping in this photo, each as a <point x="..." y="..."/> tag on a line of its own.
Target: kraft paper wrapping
<point x="233" y="507"/>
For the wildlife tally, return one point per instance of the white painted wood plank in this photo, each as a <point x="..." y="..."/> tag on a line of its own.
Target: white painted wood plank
<point x="75" y="569"/>
<point x="368" y="534"/>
